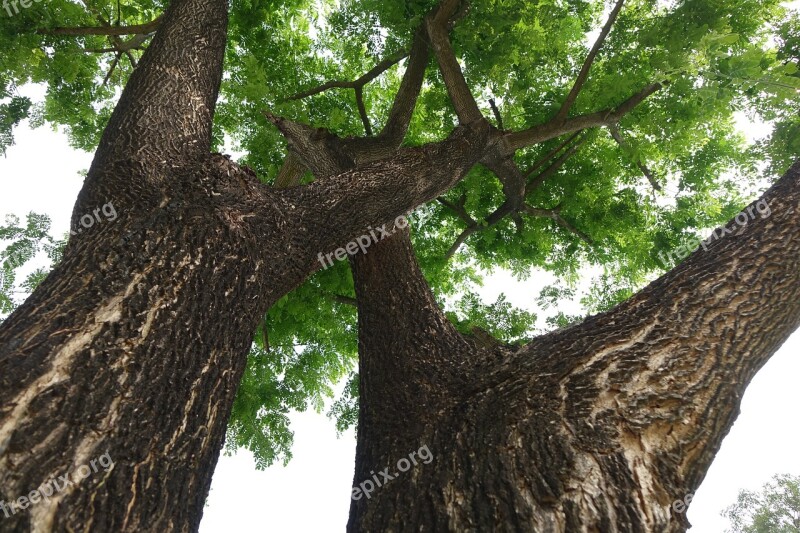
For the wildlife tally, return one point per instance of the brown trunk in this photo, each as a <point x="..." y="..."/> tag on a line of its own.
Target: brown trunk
<point x="133" y="347"/>
<point x="599" y="427"/>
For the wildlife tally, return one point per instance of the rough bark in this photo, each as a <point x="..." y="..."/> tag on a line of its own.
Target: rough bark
<point x="598" y="427"/>
<point x="134" y="345"/>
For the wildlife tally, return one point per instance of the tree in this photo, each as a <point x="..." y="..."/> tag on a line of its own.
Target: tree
<point x="136" y="342"/>
<point x="775" y="509"/>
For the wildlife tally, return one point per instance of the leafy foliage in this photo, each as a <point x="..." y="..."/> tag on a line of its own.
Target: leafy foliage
<point x="721" y="59"/>
<point x="26" y="241"/>
<point x="773" y="509"/>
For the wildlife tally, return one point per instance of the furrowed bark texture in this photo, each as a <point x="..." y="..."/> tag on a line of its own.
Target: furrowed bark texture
<point x="598" y="427"/>
<point x="135" y="344"/>
<point x="129" y="348"/>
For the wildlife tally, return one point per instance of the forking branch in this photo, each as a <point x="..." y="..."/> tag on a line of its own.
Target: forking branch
<point x="498" y="155"/>
<point x="357" y="86"/>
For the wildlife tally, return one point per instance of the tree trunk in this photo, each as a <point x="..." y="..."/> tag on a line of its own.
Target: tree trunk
<point x="133" y="347"/>
<point x="598" y="427"/>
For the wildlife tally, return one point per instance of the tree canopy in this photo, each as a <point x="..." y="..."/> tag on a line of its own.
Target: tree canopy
<point x="609" y="198"/>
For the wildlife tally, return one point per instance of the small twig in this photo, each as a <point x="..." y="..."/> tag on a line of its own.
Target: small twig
<point x="497" y="116"/>
<point x="617" y="136"/>
<point x="555" y="215"/>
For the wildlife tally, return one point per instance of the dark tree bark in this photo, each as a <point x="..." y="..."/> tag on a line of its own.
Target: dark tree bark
<point x="598" y="427"/>
<point x="134" y="345"/>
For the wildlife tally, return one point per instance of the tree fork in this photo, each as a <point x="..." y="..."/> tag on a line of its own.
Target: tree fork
<point x="599" y="427"/>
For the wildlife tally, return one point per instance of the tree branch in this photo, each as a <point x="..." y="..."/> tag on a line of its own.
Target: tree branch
<point x="165" y="113"/>
<point x="373" y="73"/>
<point x="461" y="239"/>
<point x="552" y="153"/>
<point x="537" y="182"/>
<point x="555" y="215"/>
<point x="317" y="149"/>
<point x="617" y="136"/>
<point x="364" y="150"/>
<point x="362" y="110"/>
<point x="458" y="209"/>
<point x="406" y="98"/>
<point x="497" y="116"/>
<point x="346" y="300"/>
<point x="553" y="129"/>
<point x="511" y="176"/>
<point x="461" y="97"/>
<point x="583" y="75"/>
<point x="678" y="355"/>
<point x="148" y="27"/>
<point x="134" y="43"/>
<point x="385" y="189"/>
<point x="290" y="173"/>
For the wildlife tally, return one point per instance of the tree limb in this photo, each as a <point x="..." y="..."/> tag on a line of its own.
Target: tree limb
<point x="362" y="110"/>
<point x="513" y="187"/>
<point x="373" y="73"/>
<point x="147" y="27"/>
<point x="458" y="209"/>
<point x="552" y="153"/>
<point x="290" y="173"/>
<point x="553" y="129"/>
<point x="134" y="43"/>
<point x="461" y="239"/>
<point x="316" y="148"/>
<point x="165" y="112"/>
<point x="617" y="136"/>
<point x="536" y="182"/>
<point x="497" y="116"/>
<point x="346" y="300"/>
<point x="583" y="75"/>
<point x="365" y="150"/>
<point x="461" y="97"/>
<point x="555" y="215"/>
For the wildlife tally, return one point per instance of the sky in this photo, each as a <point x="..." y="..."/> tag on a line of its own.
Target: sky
<point x="40" y="174"/>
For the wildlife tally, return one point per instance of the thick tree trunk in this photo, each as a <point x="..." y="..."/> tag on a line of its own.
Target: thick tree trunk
<point x="599" y="427"/>
<point x="134" y="345"/>
<point x="129" y="348"/>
